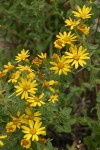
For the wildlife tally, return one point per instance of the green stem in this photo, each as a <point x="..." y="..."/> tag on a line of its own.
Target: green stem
<point x="11" y="95"/>
<point x="81" y="39"/>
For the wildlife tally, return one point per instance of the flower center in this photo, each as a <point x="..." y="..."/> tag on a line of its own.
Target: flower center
<point x="67" y="39"/>
<point x="23" y="56"/>
<point x="60" y="65"/>
<point x="37" y="99"/>
<point x="26" y="87"/>
<point x="83" y="15"/>
<point x="13" y="76"/>
<point x="59" y="42"/>
<point x="76" y="57"/>
<point x="10" y="67"/>
<point x="30" y="117"/>
<point x="16" y="121"/>
<point x="82" y="27"/>
<point x="45" y="84"/>
<point x="10" y="129"/>
<point x="33" y="131"/>
<point x="27" y="67"/>
<point x="25" y="142"/>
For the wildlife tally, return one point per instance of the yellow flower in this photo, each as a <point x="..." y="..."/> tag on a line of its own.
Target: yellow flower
<point x="34" y="130"/>
<point x="84" y="29"/>
<point x="14" y="77"/>
<point x="16" y="122"/>
<point x="53" y="98"/>
<point x="22" y="56"/>
<point x="40" y="75"/>
<point x="36" y="101"/>
<point x="54" y="56"/>
<point x="31" y="116"/>
<point x="2" y="74"/>
<point x="26" y="87"/>
<point x="25" y="68"/>
<point x="77" y="56"/>
<point x="43" y="140"/>
<point x="36" y="61"/>
<point x="48" y="83"/>
<point x="51" y="89"/>
<point x="31" y="75"/>
<point x="59" y="44"/>
<point x="10" y="127"/>
<point x="60" y="66"/>
<point x="68" y="38"/>
<point x="43" y="56"/>
<point x="8" y="67"/>
<point x="2" y="137"/>
<point x="25" y="143"/>
<point x="82" y="13"/>
<point x="71" y="23"/>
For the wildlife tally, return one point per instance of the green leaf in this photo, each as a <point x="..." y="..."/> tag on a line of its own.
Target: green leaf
<point x="90" y="143"/>
<point x="50" y="147"/>
<point x="66" y="127"/>
<point x="92" y="47"/>
<point x="65" y="112"/>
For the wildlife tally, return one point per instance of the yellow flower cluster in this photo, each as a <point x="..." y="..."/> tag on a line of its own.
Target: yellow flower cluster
<point x="31" y="86"/>
<point x="32" y="80"/>
<point x="76" y="54"/>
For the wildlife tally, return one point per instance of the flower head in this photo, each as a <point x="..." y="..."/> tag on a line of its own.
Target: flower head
<point x="67" y="38"/>
<point x="34" y="130"/>
<point x="59" y="44"/>
<point x="26" y="87"/>
<point x="60" y="66"/>
<point x="53" y="98"/>
<point x="22" y="56"/>
<point x="77" y="56"/>
<point x="31" y="75"/>
<point x="14" y="77"/>
<point x="24" y="68"/>
<point x="43" y="56"/>
<point x="25" y="143"/>
<point x="84" y="29"/>
<point x="48" y="83"/>
<point x="31" y="116"/>
<point x="8" y="67"/>
<point x="16" y="122"/>
<point x="36" y="101"/>
<point x="82" y="13"/>
<point x="71" y="23"/>
<point x="10" y="127"/>
<point x="40" y="75"/>
<point x="2" y="73"/>
<point x="43" y="140"/>
<point x="36" y="61"/>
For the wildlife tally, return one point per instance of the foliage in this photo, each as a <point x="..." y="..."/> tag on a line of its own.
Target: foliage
<point x="54" y="93"/>
<point x="31" y="24"/>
